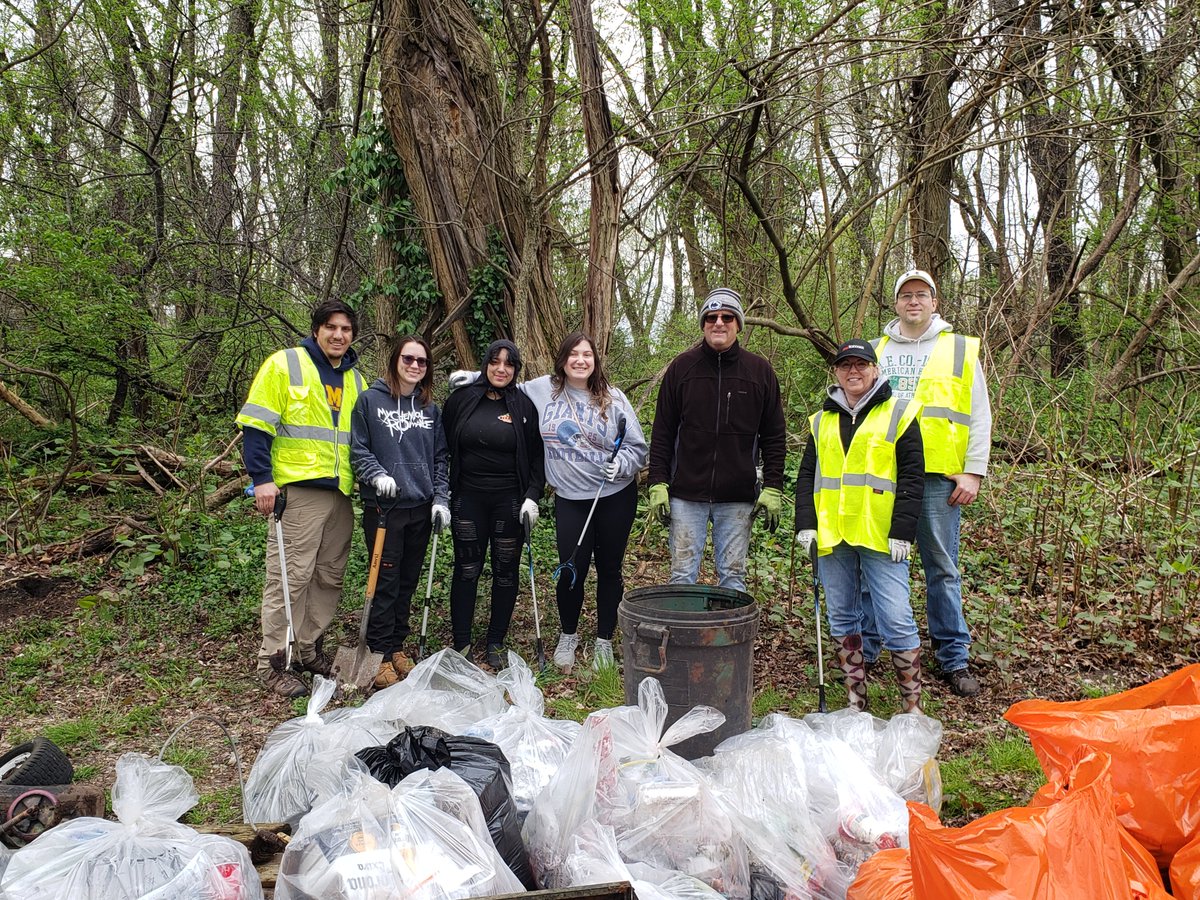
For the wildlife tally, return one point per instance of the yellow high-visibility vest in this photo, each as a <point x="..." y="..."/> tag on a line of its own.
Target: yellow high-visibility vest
<point x="855" y="490"/>
<point x="944" y="392"/>
<point x="288" y="401"/>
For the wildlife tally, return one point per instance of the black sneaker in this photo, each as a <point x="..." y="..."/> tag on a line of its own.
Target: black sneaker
<point x="496" y="657"/>
<point x="962" y="682"/>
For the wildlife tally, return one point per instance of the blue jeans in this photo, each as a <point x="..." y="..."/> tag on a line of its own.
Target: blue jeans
<point x="731" y="540"/>
<point x="847" y="574"/>
<point x="937" y="544"/>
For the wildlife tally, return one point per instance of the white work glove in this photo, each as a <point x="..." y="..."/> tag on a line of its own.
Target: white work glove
<point x="612" y="470"/>
<point x="806" y="537"/>
<point x="385" y="486"/>
<point x="900" y="549"/>
<point x="461" y="378"/>
<point x="529" y="514"/>
<point x="440" y="517"/>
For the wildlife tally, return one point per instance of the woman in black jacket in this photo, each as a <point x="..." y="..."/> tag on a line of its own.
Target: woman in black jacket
<point x="497" y="476"/>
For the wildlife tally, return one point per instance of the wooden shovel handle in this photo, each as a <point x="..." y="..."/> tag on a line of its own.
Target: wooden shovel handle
<point x="376" y="560"/>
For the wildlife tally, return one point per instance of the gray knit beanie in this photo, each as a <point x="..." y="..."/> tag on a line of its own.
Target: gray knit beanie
<point x="723" y="298"/>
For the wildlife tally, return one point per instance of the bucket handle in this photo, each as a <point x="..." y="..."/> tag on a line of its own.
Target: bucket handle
<point x="655" y="631"/>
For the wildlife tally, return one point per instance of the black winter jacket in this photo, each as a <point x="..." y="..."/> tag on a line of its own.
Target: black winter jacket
<point x="910" y="469"/>
<point x="717" y="414"/>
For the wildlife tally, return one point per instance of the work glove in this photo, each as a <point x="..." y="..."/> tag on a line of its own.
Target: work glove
<point x="806" y="537"/>
<point x="770" y="504"/>
<point x="529" y="514"/>
<point x="440" y="517"/>
<point x="461" y="378"/>
<point x="900" y="549"/>
<point x="385" y="486"/>
<point x="660" y="503"/>
<point x="612" y="470"/>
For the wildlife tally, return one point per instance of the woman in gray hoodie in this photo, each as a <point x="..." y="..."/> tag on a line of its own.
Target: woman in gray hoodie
<point x="399" y="454"/>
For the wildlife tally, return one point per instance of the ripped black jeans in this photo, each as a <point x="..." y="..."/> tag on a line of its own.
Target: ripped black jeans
<point x="477" y="520"/>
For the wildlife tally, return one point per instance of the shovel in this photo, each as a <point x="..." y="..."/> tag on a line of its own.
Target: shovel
<point x="359" y="667"/>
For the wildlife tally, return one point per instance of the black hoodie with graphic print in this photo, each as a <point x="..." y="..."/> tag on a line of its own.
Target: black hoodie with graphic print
<point x="398" y="436"/>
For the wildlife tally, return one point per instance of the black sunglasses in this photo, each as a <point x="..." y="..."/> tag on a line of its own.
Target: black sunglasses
<point x="419" y="361"/>
<point x="713" y="318"/>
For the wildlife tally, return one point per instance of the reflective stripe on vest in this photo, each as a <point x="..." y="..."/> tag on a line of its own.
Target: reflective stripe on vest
<point x="944" y="392"/>
<point x="855" y="491"/>
<point x="307" y="445"/>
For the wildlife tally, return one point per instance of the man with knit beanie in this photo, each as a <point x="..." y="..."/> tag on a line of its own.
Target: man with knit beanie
<point x="719" y="416"/>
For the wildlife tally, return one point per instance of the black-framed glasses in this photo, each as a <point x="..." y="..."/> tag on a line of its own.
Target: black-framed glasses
<point x="713" y="318"/>
<point x="857" y="365"/>
<point x="419" y="361"/>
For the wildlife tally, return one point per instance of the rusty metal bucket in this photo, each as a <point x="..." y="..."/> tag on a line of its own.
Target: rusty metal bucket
<point x="698" y="641"/>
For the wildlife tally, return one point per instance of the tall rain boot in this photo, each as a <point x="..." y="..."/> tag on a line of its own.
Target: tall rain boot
<point x="908" y="676"/>
<point x="850" y="658"/>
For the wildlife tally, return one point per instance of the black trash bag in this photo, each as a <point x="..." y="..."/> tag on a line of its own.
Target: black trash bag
<point x="479" y="763"/>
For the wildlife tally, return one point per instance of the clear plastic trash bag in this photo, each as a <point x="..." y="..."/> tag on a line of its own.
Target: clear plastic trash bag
<point x="146" y="855"/>
<point x="425" y="839"/>
<point x="534" y="745"/>
<point x="280" y="786"/>
<point x="901" y="750"/>
<point x="764" y="776"/>
<point x="447" y="691"/>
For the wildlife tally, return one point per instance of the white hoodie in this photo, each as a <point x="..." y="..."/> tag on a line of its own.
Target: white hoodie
<point x="903" y="359"/>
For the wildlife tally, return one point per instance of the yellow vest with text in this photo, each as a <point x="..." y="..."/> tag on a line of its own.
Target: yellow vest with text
<point x="288" y="401"/>
<point x="855" y="490"/>
<point x="944" y="392"/>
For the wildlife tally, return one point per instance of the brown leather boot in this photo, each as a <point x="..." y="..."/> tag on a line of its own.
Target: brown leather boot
<point x="850" y="658"/>
<point x="402" y="663"/>
<point x="387" y="675"/>
<point x="908" y="675"/>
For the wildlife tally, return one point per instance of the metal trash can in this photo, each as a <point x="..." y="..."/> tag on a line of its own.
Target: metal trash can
<point x="698" y="641"/>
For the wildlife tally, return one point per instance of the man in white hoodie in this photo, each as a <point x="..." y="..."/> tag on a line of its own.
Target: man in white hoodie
<point x="922" y="357"/>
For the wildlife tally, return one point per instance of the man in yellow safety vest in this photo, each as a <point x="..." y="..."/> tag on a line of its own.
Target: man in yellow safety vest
<point x="924" y="359"/>
<point x="296" y="435"/>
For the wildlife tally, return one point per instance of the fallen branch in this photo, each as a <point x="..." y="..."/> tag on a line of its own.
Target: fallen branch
<point x="9" y="396"/>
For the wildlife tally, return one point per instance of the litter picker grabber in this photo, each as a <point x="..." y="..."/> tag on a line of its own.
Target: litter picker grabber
<point x="816" y="583"/>
<point x="428" y="594"/>
<point x="360" y="666"/>
<point x="280" y="506"/>
<point x="537" y="622"/>
<point x="569" y="565"/>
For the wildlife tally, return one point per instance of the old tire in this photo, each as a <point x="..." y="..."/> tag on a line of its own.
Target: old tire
<point x="36" y="762"/>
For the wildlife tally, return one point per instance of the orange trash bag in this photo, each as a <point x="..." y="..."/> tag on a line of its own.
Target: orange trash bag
<point x="1067" y="845"/>
<point x="1185" y="872"/>
<point x="1152" y="734"/>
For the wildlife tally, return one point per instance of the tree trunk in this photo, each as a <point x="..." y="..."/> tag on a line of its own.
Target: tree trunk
<point x="442" y="105"/>
<point x="605" y="212"/>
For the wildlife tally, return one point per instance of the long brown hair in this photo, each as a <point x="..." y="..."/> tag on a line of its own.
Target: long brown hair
<point x="597" y="382"/>
<point x="393" y="380"/>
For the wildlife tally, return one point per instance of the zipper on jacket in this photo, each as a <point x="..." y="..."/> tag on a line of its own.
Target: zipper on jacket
<point x="712" y="474"/>
<point x="728" y="403"/>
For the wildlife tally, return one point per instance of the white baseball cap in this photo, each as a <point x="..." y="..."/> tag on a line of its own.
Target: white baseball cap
<point x="915" y="275"/>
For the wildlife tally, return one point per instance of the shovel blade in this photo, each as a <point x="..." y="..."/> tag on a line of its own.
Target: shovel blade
<point x="356" y="667"/>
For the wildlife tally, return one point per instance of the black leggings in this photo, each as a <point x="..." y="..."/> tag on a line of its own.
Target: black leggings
<point x="606" y="538"/>
<point x="479" y="519"/>
<point x="404" y="545"/>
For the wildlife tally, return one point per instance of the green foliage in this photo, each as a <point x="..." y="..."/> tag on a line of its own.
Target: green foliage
<point x="488" y="284"/>
<point x="1005" y="772"/>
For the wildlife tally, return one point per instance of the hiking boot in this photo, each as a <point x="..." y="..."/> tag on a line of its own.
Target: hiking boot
<point x="402" y="663"/>
<point x="962" y="682"/>
<point x="321" y="664"/>
<point x="564" y="653"/>
<point x="387" y="676"/>
<point x="602" y="657"/>
<point x="285" y="684"/>
<point x="870" y="664"/>
<point x="497" y="658"/>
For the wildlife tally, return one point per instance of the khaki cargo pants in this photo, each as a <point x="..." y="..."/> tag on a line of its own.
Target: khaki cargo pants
<point x="317" y="527"/>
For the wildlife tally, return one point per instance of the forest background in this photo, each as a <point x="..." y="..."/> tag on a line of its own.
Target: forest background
<point x="183" y="179"/>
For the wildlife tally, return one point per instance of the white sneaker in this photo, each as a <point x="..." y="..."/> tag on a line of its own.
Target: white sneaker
<point x="602" y="658"/>
<point x="564" y="653"/>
